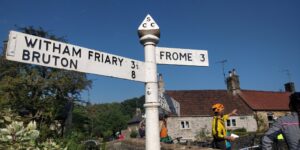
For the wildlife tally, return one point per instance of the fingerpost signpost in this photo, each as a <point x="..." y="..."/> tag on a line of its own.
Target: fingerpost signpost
<point x="35" y="50"/>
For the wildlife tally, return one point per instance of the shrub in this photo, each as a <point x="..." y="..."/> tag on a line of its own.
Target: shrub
<point x="240" y="130"/>
<point x="133" y="134"/>
<point x="16" y="136"/>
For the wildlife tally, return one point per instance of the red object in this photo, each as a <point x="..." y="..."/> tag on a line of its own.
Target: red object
<point x="121" y="137"/>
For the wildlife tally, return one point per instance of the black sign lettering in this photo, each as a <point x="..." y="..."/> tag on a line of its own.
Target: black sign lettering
<point x="55" y="59"/>
<point x="133" y="74"/>
<point x="36" y="55"/>
<point x="175" y="56"/>
<point x="47" y="44"/>
<point x="120" y="61"/>
<point x="90" y="55"/>
<point x="183" y="56"/>
<point x="66" y="50"/>
<point x="114" y="61"/>
<point x="30" y="43"/>
<point x="25" y="55"/>
<point x="73" y="63"/>
<point x="202" y="57"/>
<point x="64" y="62"/>
<point x="107" y="60"/>
<point x="76" y="52"/>
<point x="161" y="54"/>
<point x="44" y="59"/>
<point x="190" y="57"/>
<point x="168" y="56"/>
<point x="56" y="47"/>
<point x="97" y="57"/>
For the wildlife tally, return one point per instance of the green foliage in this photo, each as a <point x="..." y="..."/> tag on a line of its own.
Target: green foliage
<point x="103" y="120"/>
<point x="129" y="106"/>
<point x="103" y="146"/>
<point x="40" y="93"/>
<point x="133" y="134"/>
<point x="109" y="119"/>
<point x="50" y="144"/>
<point x="16" y="136"/>
<point x="203" y="135"/>
<point x="240" y="130"/>
<point x="81" y="121"/>
<point x="74" y="141"/>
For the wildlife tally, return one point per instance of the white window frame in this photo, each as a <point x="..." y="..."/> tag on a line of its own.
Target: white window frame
<point x="231" y="124"/>
<point x="185" y="124"/>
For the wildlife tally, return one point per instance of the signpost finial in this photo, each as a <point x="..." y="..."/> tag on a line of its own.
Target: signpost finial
<point x="148" y="27"/>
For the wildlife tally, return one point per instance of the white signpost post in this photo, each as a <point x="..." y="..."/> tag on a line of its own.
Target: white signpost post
<point x="149" y="36"/>
<point x="45" y="52"/>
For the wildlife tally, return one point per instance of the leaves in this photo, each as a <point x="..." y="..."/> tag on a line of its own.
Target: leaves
<point x="40" y="93"/>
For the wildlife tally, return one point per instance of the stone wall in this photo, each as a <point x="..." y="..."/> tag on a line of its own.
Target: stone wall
<point x="203" y="125"/>
<point x="139" y="144"/>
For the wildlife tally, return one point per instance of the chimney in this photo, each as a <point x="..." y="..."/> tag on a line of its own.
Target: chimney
<point x="161" y="84"/>
<point x="289" y="87"/>
<point x="138" y="112"/>
<point x="233" y="82"/>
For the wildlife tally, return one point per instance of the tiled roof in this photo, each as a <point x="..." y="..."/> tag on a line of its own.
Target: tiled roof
<point x="199" y="102"/>
<point x="265" y="100"/>
<point x="135" y="119"/>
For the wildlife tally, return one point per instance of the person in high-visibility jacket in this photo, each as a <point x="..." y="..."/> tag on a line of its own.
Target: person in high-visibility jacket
<point x="218" y="126"/>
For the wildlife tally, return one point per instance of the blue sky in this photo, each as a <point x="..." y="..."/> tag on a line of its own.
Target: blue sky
<point x="260" y="38"/>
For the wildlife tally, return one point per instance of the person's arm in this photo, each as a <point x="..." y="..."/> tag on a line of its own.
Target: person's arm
<point x="233" y="112"/>
<point x="271" y="135"/>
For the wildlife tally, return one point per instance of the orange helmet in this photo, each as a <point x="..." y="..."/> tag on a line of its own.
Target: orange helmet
<point x="217" y="107"/>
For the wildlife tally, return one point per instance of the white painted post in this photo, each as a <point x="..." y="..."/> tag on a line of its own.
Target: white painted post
<point x="149" y="37"/>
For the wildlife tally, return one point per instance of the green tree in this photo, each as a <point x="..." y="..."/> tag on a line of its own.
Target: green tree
<point x="129" y="106"/>
<point x="108" y="120"/>
<point x="43" y="94"/>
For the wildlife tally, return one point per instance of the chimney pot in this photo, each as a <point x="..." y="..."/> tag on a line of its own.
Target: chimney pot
<point x="289" y="87"/>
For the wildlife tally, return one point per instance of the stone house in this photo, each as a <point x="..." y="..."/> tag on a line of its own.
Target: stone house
<point x="256" y="109"/>
<point x="133" y="123"/>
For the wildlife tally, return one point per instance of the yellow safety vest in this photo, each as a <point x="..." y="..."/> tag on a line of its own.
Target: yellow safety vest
<point x="218" y="126"/>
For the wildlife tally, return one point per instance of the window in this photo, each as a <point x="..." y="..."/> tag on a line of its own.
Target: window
<point x="228" y="123"/>
<point x="231" y="122"/>
<point x="270" y="119"/>
<point x="185" y="125"/>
